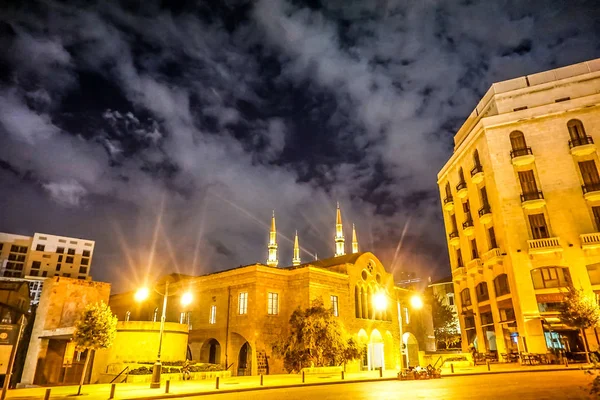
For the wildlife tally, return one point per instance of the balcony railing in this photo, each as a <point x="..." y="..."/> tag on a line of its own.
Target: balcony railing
<point x="532" y="196"/>
<point x="448" y="199"/>
<point x="590" y="240"/>
<point x="485" y="210"/>
<point x="453" y="235"/>
<point x="521" y="152"/>
<point x="468" y="223"/>
<point x="461" y="185"/>
<point x="545" y="245"/>
<point x="476" y="169"/>
<point x="590" y="187"/>
<point x="580" y="141"/>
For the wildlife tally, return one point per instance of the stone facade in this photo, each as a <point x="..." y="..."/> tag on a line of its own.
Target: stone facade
<point x="520" y="209"/>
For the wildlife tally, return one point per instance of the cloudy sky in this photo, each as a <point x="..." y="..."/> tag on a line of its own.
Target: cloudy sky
<point x="179" y="126"/>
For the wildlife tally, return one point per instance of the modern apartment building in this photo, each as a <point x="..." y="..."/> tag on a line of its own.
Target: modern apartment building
<point x="43" y="255"/>
<point x="521" y="205"/>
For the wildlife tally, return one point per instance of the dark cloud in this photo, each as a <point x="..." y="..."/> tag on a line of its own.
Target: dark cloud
<point x="179" y="126"/>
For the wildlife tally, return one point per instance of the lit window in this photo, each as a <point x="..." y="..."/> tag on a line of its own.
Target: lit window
<point x="273" y="307"/>
<point x="334" y="306"/>
<point x="450" y="299"/>
<point x="213" y="315"/>
<point x="406" y="316"/>
<point x="243" y="303"/>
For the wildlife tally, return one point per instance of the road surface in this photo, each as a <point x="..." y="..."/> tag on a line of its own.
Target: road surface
<point x="521" y="386"/>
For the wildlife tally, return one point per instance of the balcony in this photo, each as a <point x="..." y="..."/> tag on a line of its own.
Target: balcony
<point x="477" y="174"/>
<point x="485" y="214"/>
<point x="582" y="146"/>
<point x="475" y="266"/>
<point x="468" y="227"/>
<point x="459" y="274"/>
<point x="533" y="200"/>
<point x="591" y="191"/>
<point x="522" y="156"/>
<point x="453" y="238"/>
<point x="449" y="204"/>
<point x="590" y="241"/>
<point x="544" y="246"/>
<point x="492" y="257"/>
<point x="461" y="189"/>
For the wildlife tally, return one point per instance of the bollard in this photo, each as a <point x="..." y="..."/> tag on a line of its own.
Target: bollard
<point x="452" y="368"/>
<point x="47" y="394"/>
<point x="168" y="384"/>
<point x="261" y="379"/>
<point x="381" y="372"/>
<point x="113" y="387"/>
<point x="342" y="375"/>
<point x="488" y="364"/>
<point x="302" y="376"/>
<point x="217" y="386"/>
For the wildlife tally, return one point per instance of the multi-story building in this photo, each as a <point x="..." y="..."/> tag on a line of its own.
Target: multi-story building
<point x="521" y="205"/>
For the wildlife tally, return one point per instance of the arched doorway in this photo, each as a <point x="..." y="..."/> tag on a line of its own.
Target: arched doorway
<point x="210" y="352"/>
<point x="245" y="360"/>
<point x="411" y="349"/>
<point x="375" y="351"/>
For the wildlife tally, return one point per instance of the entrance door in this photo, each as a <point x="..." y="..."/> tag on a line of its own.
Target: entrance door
<point x="376" y="355"/>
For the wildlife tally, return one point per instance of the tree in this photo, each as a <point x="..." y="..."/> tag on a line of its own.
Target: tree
<point x="581" y="311"/>
<point x="317" y="338"/>
<point x="444" y="323"/>
<point x="96" y="329"/>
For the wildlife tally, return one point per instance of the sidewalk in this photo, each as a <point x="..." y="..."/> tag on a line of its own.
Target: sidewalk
<point x="246" y="383"/>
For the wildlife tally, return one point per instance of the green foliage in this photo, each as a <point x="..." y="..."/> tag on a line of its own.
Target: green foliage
<point x="96" y="329"/>
<point x="444" y="324"/>
<point x="579" y="309"/>
<point x="317" y="339"/>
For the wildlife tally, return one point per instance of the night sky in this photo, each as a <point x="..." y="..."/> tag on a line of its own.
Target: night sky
<point x="183" y="124"/>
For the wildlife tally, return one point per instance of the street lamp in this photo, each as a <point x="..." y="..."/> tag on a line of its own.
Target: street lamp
<point x="417" y="303"/>
<point x="141" y="295"/>
<point x="380" y="301"/>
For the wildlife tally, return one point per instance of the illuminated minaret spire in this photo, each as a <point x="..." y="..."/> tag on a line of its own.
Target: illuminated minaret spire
<point x="272" y="260"/>
<point x="296" y="259"/>
<point x="354" y="241"/>
<point x="339" y="233"/>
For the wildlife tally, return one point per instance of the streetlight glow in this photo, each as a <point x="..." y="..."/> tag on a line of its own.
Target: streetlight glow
<point x="416" y="302"/>
<point x="186" y="299"/>
<point x="380" y="301"/>
<point x="142" y="294"/>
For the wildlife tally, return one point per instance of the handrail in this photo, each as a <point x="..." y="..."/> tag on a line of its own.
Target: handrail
<point x="115" y="378"/>
<point x="436" y="361"/>
<point x="580" y="141"/>
<point x="226" y="369"/>
<point x="521" y="152"/>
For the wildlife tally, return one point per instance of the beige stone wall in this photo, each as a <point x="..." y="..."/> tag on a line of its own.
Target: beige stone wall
<point x="568" y="213"/>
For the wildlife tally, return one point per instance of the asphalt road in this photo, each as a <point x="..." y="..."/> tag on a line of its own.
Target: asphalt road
<point x="521" y="386"/>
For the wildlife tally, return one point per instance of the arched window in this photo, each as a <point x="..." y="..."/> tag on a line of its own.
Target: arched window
<point x="517" y="141"/>
<point x="364" y="302"/>
<point x="357" y="302"/>
<point x="370" y="304"/>
<point x="550" y="277"/>
<point x="576" y="130"/>
<point x="501" y="285"/>
<point x="465" y="297"/>
<point x="448" y="191"/>
<point x="476" y="161"/>
<point x="461" y="175"/>
<point x="482" y="292"/>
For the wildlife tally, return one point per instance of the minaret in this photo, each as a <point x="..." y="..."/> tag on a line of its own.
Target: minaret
<point x="339" y="233"/>
<point x="272" y="260"/>
<point x="296" y="259"/>
<point x="354" y="241"/>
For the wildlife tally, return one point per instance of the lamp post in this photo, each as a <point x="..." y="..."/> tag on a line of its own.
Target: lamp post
<point x="141" y="295"/>
<point x="417" y="303"/>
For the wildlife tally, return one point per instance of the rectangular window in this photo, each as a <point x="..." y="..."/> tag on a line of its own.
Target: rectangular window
<point x="528" y="184"/>
<point x="73" y="242"/>
<point x="86" y="253"/>
<point x="213" y="315"/>
<point x="596" y="214"/>
<point x="60" y="258"/>
<point x="539" y="229"/>
<point x="83" y="270"/>
<point x="273" y="306"/>
<point x="69" y="260"/>
<point x="81" y="277"/>
<point x="492" y="236"/>
<point x="58" y="267"/>
<point x="67" y="275"/>
<point x="44" y="273"/>
<point x="474" y="252"/>
<point x="334" y="305"/>
<point x="550" y="277"/>
<point x="484" y="197"/>
<point x="23" y="249"/>
<point x="36" y="264"/>
<point x="243" y="303"/>
<point x="40" y="247"/>
<point x="60" y="250"/>
<point x="501" y="285"/>
<point x="594" y="273"/>
<point x="85" y="261"/>
<point x="467" y="210"/>
<point x="14" y="248"/>
<point x="459" y="260"/>
<point x="450" y="300"/>
<point x="453" y="222"/>
<point x="34" y="273"/>
<point x="507" y="314"/>
<point x="589" y="173"/>
<point x="62" y="241"/>
<point x="71" y="252"/>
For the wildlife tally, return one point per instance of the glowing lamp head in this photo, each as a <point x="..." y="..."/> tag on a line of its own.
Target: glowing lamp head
<point x="416" y="302"/>
<point x="186" y="299"/>
<point x="142" y="294"/>
<point x="380" y="301"/>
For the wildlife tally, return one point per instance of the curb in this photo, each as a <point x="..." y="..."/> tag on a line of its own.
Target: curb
<point x="515" y="372"/>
